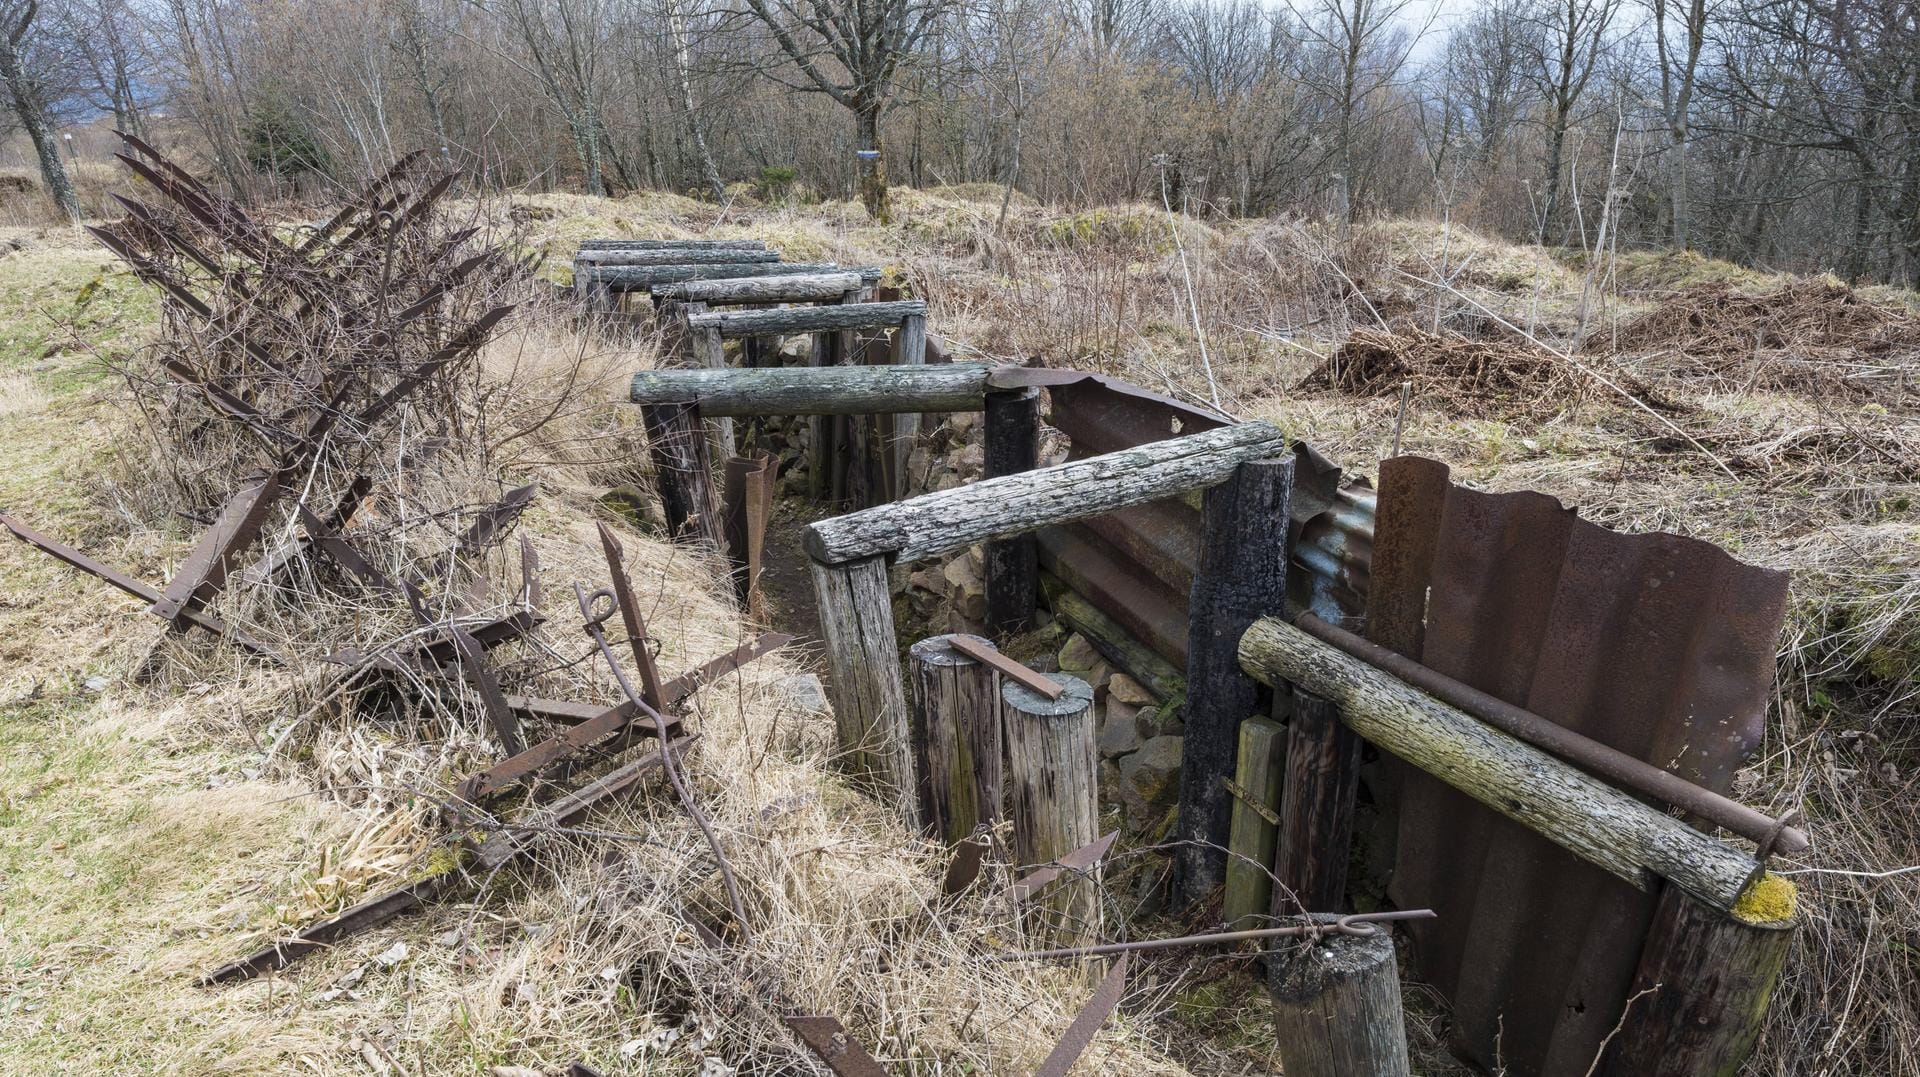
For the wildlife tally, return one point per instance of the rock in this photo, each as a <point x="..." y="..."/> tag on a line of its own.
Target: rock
<point x="1118" y="736"/>
<point x="515" y="1071"/>
<point x="966" y="587"/>
<point x="1171" y="720"/>
<point x="927" y="578"/>
<point x="1116" y="710"/>
<point x="1078" y="654"/>
<point x="1109" y="788"/>
<point x="1127" y="690"/>
<point x="96" y="685"/>
<point x="972" y="460"/>
<point x="1150" y="780"/>
<point x="637" y="507"/>
<point x="805" y="692"/>
<point x="962" y="423"/>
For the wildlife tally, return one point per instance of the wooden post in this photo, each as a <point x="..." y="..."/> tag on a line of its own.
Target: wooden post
<point x="1013" y="565"/>
<point x="956" y="736"/>
<point x="863" y="661"/>
<point x="1708" y="977"/>
<point x="1316" y="809"/>
<point x="1052" y="791"/>
<point x="1336" y="1007"/>
<point x="909" y="349"/>
<point x="1256" y="802"/>
<point x="681" y="472"/>
<point x="707" y="350"/>
<point x="1240" y="576"/>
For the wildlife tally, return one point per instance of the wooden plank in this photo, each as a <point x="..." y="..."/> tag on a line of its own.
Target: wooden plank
<point x="1256" y="800"/>
<point x="674" y="256"/>
<point x="795" y="288"/>
<point x="869" y="699"/>
<point x="1579" y="813"/>
<point x="672" y="244"/>
<point x="817" y="390"/>
<point x="642" y="278"/>
<point x="1240" y="575"/>
<point x="910" y="350"/>
<point x="985" y="652"/>
<point x="948" y="520"/>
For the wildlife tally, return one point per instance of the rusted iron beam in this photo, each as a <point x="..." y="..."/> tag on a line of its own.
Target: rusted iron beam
<point x="204" y="572"/>
<point x="827" y="1038"/>
<point x="1613" y="764"/>
<point x="1356" y="924"/>
<point x="1080" y="860"/>
<point x="1086" y="1024"/>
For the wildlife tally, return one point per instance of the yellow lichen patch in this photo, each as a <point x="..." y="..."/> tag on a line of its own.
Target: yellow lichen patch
<point x="1771" y="900"/>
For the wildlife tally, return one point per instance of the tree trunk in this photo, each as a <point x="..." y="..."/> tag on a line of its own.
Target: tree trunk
<point x="26" y="105"/>
<point x="1556" y="156"/>
<point x="873" y="165"/>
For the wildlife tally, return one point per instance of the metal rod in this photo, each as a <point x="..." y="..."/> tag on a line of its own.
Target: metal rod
<point x="1635" y="775"/>
<point x="1357" y="924"/>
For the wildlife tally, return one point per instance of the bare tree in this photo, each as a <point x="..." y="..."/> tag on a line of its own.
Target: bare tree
<point x="28" y="64"/>
<point x="868" y="41"/>
<point x="1366" y="50"/>
<point x="1679" y="31"/>
<point x="1570" y="46"/>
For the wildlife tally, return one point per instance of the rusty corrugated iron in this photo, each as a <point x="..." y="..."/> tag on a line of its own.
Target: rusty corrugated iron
<point x="1656" y="645"/>
<point x="1137" y="564"/>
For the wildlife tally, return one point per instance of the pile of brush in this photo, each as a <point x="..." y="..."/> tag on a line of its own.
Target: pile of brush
<point x="1481" y="378"/>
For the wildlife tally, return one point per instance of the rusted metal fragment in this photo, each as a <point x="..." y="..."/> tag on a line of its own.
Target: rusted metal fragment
<point x="362" y="917"/>
<point x="827" y="1038"/>
<point x="599" y="724"/>
<point x="1655" y="645"/>
<point x="964" y="868"/>
<point x="745" y="510"/>
<point x="60" y="551"/>
<point x="1080" y="860"/>
<point x="1086" y="1024"/>
<point x="493" y="521"/>
<point x="472" y="661"/>
<point x="513" y="840"/>
<point x="631" y="619"/>
<point x="204" y="572"/>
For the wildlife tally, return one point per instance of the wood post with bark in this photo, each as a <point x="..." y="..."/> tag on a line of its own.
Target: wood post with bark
<point x="1704" y="983"/>
<point x="1012" y="565"/>
<point x="1241" y="575"/>
<point x="1336" y="1006"/>
<point x="682" y="473"/>
<point x="834" y="390"/>
<point x="869" y="701"/>
<point x="1316" y="809"/>
<point x="956" y="735"/>
<point x="1052" y="793"/>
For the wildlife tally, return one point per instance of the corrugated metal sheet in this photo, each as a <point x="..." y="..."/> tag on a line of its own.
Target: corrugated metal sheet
<point x="1658" y="645"/>
<point x="1137" y="564"/>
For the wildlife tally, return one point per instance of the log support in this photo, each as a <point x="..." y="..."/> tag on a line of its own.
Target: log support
<point x="1336" y="1007"/>
<point x="1013" y="564"/>
<point x="683" y="474"/>
<point x="1316" y="809"/>
<point x="863" y="662"/>
<point x="1256" y="803"/>
<point x="1702" y="990"/>
<point x="1052" y="794"/>
<point x="956" y="736"/>
<point x="1240" y="576"/>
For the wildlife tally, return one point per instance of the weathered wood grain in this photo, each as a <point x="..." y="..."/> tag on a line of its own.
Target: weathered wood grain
<point x="863" y="663"/>
<point x="1579" y="813"/>
<point x="642" y="278"/>
<point x="798" y="288"/>
<point x="948" y="520"/>
<point x="833" y="318"/>
<point x="956" y="735"/>
<point x="1251" y="838"/>
<point x="1316" y="809"/>
<point x="1052" y="792"/>
<point x="1239" y="575"/>
<point x="673" y="256"/>
<point x="682" y="473"/>
<point x="1336" y="1007"/>
<point x="1012" y="564"/>
<point x="826" y="390"/>
<point x="672" y="244"/>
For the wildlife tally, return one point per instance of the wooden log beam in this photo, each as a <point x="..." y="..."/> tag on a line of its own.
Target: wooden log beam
<point x="642" y="278"/>
<point x="1707" y="978"/>
<point x="1579" y="813"/>
<point x="674" y="256"/>
<point x="949" y="520"/>
<point x="672" y="244"/>
<point x="1316" y="809"/>
<point x="1240" y="575"/>
<point x="863" y="663"/>
<point x="840" y="317"/>
<point x="956" y="737"/>
<point x="797" y="288"/>
<point x="1336" y="1007"/>
<point x="1013" y="564"/>
<point x="1052" y="792"/>
<point x="1113" y="641"/>
<point x="824" y="390"/>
